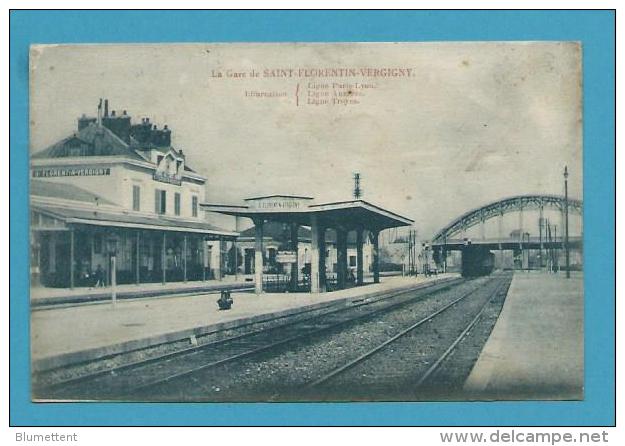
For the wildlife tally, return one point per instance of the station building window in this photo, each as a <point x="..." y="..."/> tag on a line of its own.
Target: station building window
<point x="271" y="254"/>
<point x="352" y="260"/>
<point x="194" y="206"/>
<point x="136" y="198"/>
<point x="177" y="203"/>
<point x="160" y="202"/>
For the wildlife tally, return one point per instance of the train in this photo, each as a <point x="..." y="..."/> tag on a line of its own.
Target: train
<point x="477" y="261"/>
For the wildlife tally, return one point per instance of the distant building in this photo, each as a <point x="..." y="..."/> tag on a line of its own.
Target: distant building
<point x="119" y="188"/>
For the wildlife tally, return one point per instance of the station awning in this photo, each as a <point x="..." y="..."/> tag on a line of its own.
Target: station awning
<point x="109" y="218"/>
<point x="349" y="215"/>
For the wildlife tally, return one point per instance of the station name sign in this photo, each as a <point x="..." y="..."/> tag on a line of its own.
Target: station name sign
<point x="71" y="172"/>
<point x="278" y="204"/>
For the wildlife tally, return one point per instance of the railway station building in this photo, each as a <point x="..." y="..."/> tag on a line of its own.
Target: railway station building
<point x="357" y="221"/>
<point x="114" y="188"/>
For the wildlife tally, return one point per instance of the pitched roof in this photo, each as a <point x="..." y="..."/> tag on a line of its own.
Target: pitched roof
<point x="93" y="140"/>
<point x="350" y="214"/>
<point x="64" y="191"/>
<point x="279" y="196"/>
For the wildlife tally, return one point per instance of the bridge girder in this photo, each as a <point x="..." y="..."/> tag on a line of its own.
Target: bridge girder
<point x="501" y="207"/>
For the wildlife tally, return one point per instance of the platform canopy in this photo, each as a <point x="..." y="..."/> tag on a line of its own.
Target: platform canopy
<point x="349" y="215"/>
<point x="342" y="217"/>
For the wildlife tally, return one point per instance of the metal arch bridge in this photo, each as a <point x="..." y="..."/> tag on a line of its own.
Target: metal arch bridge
<point x="498" y="208"/>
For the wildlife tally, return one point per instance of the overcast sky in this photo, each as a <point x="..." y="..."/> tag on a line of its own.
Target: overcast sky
<point x="475" y="122"/>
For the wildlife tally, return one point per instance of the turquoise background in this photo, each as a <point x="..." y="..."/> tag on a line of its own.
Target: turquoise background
<point x="596" y="31"/>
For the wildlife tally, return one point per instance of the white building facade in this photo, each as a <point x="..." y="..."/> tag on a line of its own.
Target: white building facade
<point x="117" y="189"/>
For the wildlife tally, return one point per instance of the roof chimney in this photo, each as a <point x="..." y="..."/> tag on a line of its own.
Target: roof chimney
<point x="85" y="121"/>
<point x="106" y="108"/>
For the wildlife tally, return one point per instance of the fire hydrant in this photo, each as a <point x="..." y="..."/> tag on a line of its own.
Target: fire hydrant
<point x="225" y="301"/>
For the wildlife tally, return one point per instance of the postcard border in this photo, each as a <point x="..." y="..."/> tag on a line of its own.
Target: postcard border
<point x="594" y="29"/>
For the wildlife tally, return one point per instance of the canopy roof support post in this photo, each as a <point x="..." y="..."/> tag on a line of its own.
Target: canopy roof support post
<point x="236" y="249"/>
<point x="258" y="256"/>
<point x="322" y="258"/>
<point x="294" y="265"/>
<point x="341" y="258"/>
<point x="375" y="239"/>
<point x="184" y="258"/>
<point x="163" y="266"/>
<point x="315" y="255"/>
<point x="359" y="257"/>
<point x="220" y="260"/>
<point x="236" y="259"/>
<point x="138" y="257"/>
<point x="71" y="258"/>
<point x="204" y="251"/>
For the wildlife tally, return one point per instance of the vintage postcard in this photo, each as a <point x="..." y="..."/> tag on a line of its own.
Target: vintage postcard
<point x="306" y="222"/>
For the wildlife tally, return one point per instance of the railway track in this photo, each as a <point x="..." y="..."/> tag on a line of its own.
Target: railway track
<point x="401" y="379"/>
<point x="207" y="381"/>
<point x="138" y="377"/>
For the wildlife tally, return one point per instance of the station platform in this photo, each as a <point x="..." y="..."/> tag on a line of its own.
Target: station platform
<point x="536" y="349"/>
<point x="40" y="296"/>
<point x="45" y="296"/>
<point x="66" y="335"/>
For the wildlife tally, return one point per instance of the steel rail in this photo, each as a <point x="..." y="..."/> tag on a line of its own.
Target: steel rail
<point x="328" y="376"/>
<point x="435" y="366"/>
<point x="304" y="334"/>
<point x="338" y="307"/>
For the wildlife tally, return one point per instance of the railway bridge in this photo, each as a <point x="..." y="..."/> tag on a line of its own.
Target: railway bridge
<point x="539" y="229"/>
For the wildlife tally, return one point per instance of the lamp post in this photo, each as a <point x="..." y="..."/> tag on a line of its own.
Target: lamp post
<point x="566" y="222"/>
<point x="528" y="251"/>
<point x="112" y="249"/>
<point x="540" y="242"/>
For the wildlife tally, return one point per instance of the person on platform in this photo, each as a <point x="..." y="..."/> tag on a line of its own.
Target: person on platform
<point x="350" y="277"/>
<point x="99" y="277"/>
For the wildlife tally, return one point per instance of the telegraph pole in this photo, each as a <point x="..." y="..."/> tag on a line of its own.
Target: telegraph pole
<point x="411" y="251"/>
<point x="412" y="254"/>
<point x="541" y="221"/>
<point x="413" y="244"/>
<point x="357" y="189"/>
<point x="566" y="222"/>
<point x="409" y="256"/>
